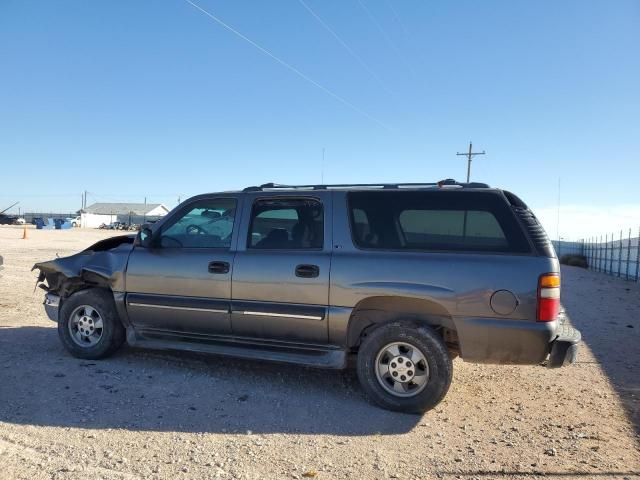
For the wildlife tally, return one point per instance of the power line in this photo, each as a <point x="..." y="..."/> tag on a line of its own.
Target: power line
<point x="386" y="36"/>
<point x="346" y="46"/>
<point x="397" y="17"/>
<point x="469" y="156"/>
<point x="287" y="65"/>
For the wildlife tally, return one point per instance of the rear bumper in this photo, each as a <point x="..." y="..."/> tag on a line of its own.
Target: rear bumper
<point x="564" y="348"/>
<point x="518" y="342"/>
<point x="51" y="306"/>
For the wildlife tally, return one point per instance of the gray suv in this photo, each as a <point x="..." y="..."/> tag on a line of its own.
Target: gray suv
<point x="405" y="276"/>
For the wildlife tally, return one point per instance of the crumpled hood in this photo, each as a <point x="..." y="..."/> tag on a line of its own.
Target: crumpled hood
<point x="102" y="264"/>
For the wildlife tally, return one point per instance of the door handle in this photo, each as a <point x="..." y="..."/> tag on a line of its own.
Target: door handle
<point x="307" y="271"/>
<point x="219" y="267"/>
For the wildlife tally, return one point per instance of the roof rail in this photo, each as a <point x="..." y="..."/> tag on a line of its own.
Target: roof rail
<point x="449" y="182"/>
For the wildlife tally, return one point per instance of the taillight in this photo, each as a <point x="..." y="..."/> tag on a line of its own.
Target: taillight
<point x="548" y="297"/>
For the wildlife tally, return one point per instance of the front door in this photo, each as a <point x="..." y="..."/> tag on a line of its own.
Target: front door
<point x="281" y="269"/>
<point x="182" y="283"/>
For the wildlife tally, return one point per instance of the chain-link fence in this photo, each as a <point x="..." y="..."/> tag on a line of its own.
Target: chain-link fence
<point x="616" y="254"/>
<point x="31" y="216"/>
<point x="568" y="248"/>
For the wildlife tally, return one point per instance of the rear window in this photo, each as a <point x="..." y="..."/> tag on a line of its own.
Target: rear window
<point x="441" y="221"/>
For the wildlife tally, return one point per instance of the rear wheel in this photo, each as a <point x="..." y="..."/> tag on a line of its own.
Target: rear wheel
<point x="404" y="367"/>
<point x="89" y="326"/>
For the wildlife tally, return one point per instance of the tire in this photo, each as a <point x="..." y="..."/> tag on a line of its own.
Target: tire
<point x="432" y="363"/>
<point x="83" y="310"/>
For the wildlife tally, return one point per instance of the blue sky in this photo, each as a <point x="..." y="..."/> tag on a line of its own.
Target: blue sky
<point x="128" y="99"/>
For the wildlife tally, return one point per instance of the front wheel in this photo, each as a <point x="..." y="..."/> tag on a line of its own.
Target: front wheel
<point x="89" y="326"/>
<point x="404" y="367"/>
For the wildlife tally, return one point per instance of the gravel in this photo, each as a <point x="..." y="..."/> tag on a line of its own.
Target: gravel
<point x="162" y="415"/>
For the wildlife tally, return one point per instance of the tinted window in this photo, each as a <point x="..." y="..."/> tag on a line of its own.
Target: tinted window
<point x="465" y="221"/>
<point x="361" y="223"/>
<point x="286" y="224"/>
<point x="204" y="224"/>
<point x="424" y="226"/>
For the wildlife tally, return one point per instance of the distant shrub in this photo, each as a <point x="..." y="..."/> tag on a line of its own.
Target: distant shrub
<point x="574" y="260"/>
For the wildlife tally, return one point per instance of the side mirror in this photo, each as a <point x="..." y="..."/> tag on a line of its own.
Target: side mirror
<point x="144" y="237"/>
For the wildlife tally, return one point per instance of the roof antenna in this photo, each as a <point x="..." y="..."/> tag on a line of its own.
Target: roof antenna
<point x="322" y="168"/>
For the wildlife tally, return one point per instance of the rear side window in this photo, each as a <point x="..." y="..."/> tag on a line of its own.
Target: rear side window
<point x="284" y="224"/>
<point x="440" y="221"/>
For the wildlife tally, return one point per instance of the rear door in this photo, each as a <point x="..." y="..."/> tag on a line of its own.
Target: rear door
<point x="182" y="283"/>
<point x="281" y="269"/>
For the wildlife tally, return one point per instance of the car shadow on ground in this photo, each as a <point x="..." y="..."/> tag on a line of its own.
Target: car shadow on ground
<point x="40" y="384"/>
<point x="612" y="333"/>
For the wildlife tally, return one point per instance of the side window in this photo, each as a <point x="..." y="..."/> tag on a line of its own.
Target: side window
<point x="441" y="229"/>
<point x="205" y="224"/>
<point x="362" y="228"/>
<point x="286" y="224"/>
<point x="435" y="221"/>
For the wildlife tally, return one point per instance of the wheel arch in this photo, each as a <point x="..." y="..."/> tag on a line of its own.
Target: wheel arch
<point x="102" y="300"/>
<point x="374" y="311"/>
<point x="117" y="297"/>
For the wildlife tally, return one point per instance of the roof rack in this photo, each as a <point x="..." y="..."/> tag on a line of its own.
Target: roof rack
<point x="449" y="182"/>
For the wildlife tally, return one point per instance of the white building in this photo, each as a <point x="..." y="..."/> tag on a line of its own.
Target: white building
<point x="99" y="213"/>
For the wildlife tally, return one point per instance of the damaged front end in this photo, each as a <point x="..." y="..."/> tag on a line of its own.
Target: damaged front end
<point x="103" y="264"/>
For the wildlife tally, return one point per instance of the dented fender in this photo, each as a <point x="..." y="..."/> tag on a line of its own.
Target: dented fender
<point x="103" y="264"/>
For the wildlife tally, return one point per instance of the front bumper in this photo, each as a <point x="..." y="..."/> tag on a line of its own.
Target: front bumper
<point x="564" y="348"/>
<point x="51" y="306"/>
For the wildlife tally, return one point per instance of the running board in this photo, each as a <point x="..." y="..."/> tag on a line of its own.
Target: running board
<point x="311" y="357"/>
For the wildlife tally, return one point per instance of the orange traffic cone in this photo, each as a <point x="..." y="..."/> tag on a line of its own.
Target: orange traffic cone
<point x="24" y="233"/>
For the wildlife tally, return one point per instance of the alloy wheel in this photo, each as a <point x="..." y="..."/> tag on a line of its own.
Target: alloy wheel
<point x="86" y="326"/>
<point x="402" y="369"/>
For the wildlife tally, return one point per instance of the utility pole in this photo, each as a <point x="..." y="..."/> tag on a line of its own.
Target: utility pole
<point x="469" y="156"/>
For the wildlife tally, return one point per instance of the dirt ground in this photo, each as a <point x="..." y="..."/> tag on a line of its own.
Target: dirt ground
<point x="169" y="416"/>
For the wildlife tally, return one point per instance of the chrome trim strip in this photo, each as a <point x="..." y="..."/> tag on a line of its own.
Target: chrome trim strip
<point x="169" y="307"/>
<point x="287" y="315"/>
